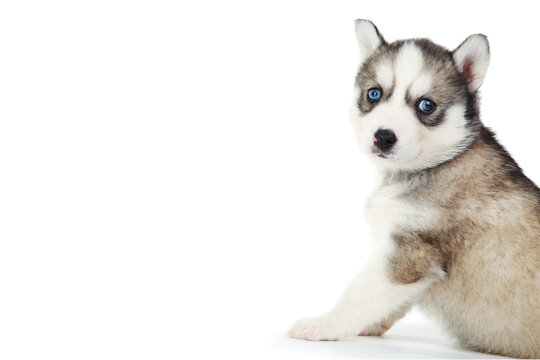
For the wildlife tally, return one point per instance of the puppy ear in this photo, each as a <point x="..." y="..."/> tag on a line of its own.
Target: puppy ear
<point x="368" y="38"/>
<point x="472" y="59"/>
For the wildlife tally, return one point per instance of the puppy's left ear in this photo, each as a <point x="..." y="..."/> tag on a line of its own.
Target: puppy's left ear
<point x="472" y="59"/>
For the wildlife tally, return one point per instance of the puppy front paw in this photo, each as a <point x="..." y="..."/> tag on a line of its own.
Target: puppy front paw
<point x="318" y="328"/>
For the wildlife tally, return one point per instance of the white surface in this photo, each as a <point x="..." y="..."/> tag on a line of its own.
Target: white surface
<point x="415" y="337"/>
<point x="173" y="173"/>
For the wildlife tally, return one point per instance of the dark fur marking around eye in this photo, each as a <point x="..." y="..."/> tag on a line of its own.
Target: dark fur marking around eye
<point x="433" y="119"/>
<point x="364" y="105"/>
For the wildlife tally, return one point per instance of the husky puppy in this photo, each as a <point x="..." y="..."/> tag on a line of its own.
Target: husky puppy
<point x="455" y="222"/>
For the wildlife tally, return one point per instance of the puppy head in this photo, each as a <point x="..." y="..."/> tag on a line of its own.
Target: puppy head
<point x="415" y="102"/>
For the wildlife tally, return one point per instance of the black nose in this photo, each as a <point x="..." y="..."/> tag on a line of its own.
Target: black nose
<point x="384" y="139"/>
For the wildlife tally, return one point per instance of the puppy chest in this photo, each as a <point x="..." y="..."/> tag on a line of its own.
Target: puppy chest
<point x="387" y="212"/>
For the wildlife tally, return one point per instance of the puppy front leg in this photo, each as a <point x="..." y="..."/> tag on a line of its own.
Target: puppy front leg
<point x="369" y="299"/>
<point x="379" y="328"/>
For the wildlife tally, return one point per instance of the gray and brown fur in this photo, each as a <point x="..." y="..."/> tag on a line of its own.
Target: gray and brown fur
<point x="455" y="222"/>
<point x="487" y="240"/>
<point x="450" y="85"/>
<point x="487" y="243"/>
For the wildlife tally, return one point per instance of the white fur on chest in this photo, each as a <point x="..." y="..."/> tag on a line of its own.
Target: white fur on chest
<point x="389" y="211"/>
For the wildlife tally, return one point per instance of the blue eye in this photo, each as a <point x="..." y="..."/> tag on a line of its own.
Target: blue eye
<point x="426" y="106"/>
<point x="374" y="94"/>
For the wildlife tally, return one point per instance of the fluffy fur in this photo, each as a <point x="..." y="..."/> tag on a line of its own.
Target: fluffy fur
<point x="455" y="221"/>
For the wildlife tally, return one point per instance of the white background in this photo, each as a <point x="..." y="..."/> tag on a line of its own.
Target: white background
<point x="181" y="178"/>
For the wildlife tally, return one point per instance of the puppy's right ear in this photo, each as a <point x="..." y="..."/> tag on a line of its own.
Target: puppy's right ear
<point x="368" y="38"/>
